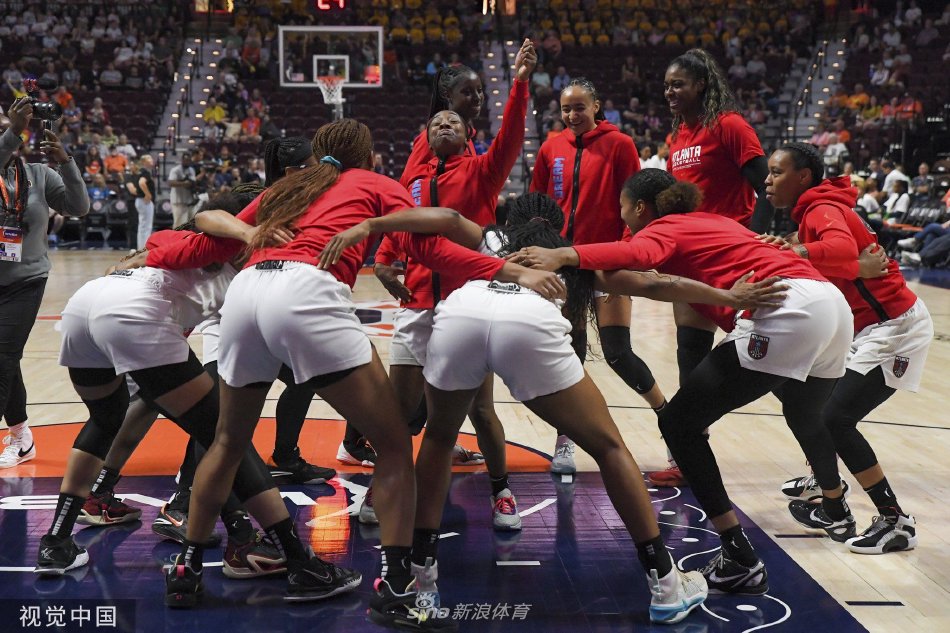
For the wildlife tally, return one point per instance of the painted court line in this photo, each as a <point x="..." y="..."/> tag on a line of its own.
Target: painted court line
<point x="518" y="563"/>
<point x="537" y="507"/>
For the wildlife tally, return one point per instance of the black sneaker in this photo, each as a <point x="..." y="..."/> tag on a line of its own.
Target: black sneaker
<point x="299" y="471"/>
<point x="172" y="522"/>
<point x="57" y="555"/>
<point x="360" y="454"/>
<point x="317" y="579"/>
<point x="886" y="534"/>
<point x="410" y="611"/>
<point x="183" y="587"/>
<point x="812" y="515"/>
<point x="807" y="488"/>
<point x="724" y="575"/>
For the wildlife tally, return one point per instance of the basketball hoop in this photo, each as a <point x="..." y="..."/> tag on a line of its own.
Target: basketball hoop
<point x="331" y="87"/>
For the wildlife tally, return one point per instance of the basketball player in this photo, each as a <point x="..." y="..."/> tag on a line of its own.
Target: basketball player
<point x="584" y="170"/>
<point x="716" y="149"/>
<point x="471" y="184"/>
<point x="893" y="330"/>
<point x="798" y="349"/>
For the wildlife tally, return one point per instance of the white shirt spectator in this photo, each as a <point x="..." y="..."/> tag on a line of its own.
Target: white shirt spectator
<point x="756" y="67"/>
<point x="892" y="37"/>
<point x="833" y="153"/>
<point x="114" y="32"/>
<point x="897" y="205"/>
<point x="21" y="30"/>
<point x="869" y="203"/>
<point x="913" y="14"/>
<point x="654" y="162"/>
<point x="893" y="177"/>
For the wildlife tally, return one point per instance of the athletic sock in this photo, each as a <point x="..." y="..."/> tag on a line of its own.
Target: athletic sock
<point x="395" y="567"/>
<point x="498" y="484"/>
<point x="107" y="479"/>
<point x="836" y="509"/>
<point x="736" y="545"/>
<point x="67" y="510"/>
<point x="284" y="536"/>
<point x="425" y="544"/>
<point x="192" y="555"/>
<point x="654" y="555"/>
<point x="884" y="498"/>
<point x="238" y="526"/>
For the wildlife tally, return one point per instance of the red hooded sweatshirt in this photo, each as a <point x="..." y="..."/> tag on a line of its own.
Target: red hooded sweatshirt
<point x="834" y="235"/>
<point x="585" y="175"/>
<point x="467" y="183"/>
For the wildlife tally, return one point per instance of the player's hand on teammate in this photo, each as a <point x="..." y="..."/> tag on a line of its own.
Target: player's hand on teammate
<point x="872" y="262"/>
<point x="135" y="260"/>
<point x="526" y="60"/>
<point x="768" y="293"/>
<point x="776" y="240"/>
<point x="550" y="259"/>
<point x="275" y="237"/>
<point x="546" y="284"/>
<point x="389" y="277"/>
<point x="342" y="241"/>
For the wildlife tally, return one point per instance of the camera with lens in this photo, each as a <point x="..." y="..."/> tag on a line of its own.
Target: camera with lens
<point x="47" y="112"/>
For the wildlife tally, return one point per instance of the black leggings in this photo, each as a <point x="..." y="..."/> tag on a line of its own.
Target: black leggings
<point x="19" y="305"/>
<point x="854" y="397"/>
<point x="720" y="385"/>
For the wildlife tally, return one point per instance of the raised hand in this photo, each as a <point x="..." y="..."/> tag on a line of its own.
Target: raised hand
<point x="525" y="61"/>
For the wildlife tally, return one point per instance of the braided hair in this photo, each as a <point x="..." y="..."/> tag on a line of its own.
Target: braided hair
<point x="662" y="191"/>
<point x="717" y="96"/>
<point x="446" y="79"/>
<point x="233" y="202"/>
<point x="343" y="144"/>
<point x="806" y="156"/>
<point x="535" y="219"/>
<point x="281" y="153"/>
<point x="588" y="85"/>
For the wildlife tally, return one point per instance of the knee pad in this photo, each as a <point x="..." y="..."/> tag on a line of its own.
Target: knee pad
<point x="105" y="419"/>
<point x="615" y="339"/>
<point x="201" y="419"/>
<point x="155" y="382"/>
<point x="692" y="345"/>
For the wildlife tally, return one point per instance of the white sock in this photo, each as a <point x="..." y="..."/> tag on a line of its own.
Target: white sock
<point x="21" y="430"/>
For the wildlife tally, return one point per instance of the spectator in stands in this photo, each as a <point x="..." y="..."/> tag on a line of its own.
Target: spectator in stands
<point x="912" y="15"/>
<point x="821" y="138"/>
<point x="876" y="173"/>
<point x="72" y="116"/>
<point x="754" y="114"/>
<point x="115" y="163"/>
<point x="143" y="188"/>
<point x="551" y="114"/>
<point x="213" y="117"/>
<point x="541" y="83"/>
<point x="892" y="174"/>
<point x="434" y="65"/>
<point x="416" y="71"/>
<point x="110" y="77"/>
<point x="910" y="110"/>
<point x="107" y="139"/>
<point x="125" y="148"/>
<point x="97" y="188"/>
<point x="879" y="75"/>
<point x="923" y="182"/>
<point x="561" y="79"/>
<point x="870" y="115"/>
<point x="71" y="77"/>
<point x="737" y="72"/>
<point x="889" y="111"/>
<point x="134" y="80"/>
<point x="859" y="98"/>
<point x="251" y="127"/>
<point x="756" y="68"/>
<point x="269" y="129"/>
<point x="844" y="136"/>
<point x="927" y="35"/>
<point x="557" y="128"/>
<point x="645" y="153"/>
<point x="611" y="114"/>
<point x="630" y="71"/>
<point x="867" y="197"/>
<point x="123" y="55"/>
<point x="834" y="151"/>
<point x="481" y="143"/>
<point x="891" y="36"/>
<point x="93" y="162"/>
<point x="97" y="115"/>
<point x="898" y="202"/>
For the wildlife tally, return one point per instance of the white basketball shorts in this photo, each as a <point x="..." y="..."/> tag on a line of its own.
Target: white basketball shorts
<point x="899" y="347"/>
<point x="411" y="331"/>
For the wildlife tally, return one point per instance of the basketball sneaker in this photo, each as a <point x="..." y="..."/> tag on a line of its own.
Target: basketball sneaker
<point x="813" y="515"/>
<point x="411" y="610"/>
<point x="724" y="575"/>
<point x="461" y="456"/>
<point x="57" y="555"/>
<point x="183" y="587"/>
<point x="671" y="477"/>
<point x="20" y="448"/>
<point x="172" y="521"/>
<point x="102" y="508"/>
<point x="675" y="595"/>
<point x="807" y="489"/>
<point x="886" y="534"/>
<point x="299" y="471"/>
<point x="360" y="454"/>
<point x="504" y="513"/>
<point x="316" y="579"/>
<point x="253" y="557"/>
<point x="367" y="514"/>
<point x="563" y="461"/>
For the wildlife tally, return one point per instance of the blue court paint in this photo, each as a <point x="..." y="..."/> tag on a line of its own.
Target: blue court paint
<point x="588" y="578"/>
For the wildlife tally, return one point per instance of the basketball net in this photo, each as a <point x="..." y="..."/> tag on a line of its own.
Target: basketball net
<point x="332" y="89"/>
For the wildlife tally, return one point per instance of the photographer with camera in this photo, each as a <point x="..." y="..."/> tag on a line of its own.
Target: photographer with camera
<point x="182" y="181"/>
<point x="29" y="191"/>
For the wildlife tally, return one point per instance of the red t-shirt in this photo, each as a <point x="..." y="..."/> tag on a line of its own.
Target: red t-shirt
<point x="469" y="184"/>
<point x="712" y="159"/>
<point x="834" y="235"/>
<point x="607" y="158"/>
<point x="703" y="246"/>
<point x="358" y="195"/>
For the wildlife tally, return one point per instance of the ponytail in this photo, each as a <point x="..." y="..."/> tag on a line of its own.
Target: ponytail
<point x="661" y="190"/>
<point x="717" y="96"/>
<point x="281" y="153"/>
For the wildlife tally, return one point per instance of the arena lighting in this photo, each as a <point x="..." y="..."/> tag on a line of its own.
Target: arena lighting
<point x="494" y="92"/>
<point x="195" y="128"/>
<point x="790" y="128"/>
<point x="826" y="89"/>
<point x="527" y="142"/>
<point x="831" y="77"/>
<point x="217" y="41"/>
<point x="211" y="78"/>
<point x="494" y="78"/>
<point x="174" y="115"/>
<point x="189" y="64"/>
<point x="206" y="90"/>
<point x="821" y="102"/>
<point x="203" y="102"/>
<point x="835" y="65"/>
<point x="530" y="155"/>
<point x="215" y="52"/>
<point x="498" y="104"/>
<point x="199" y="115"/>
<point x="189" y="50"/>
<point x="212" y="64"/>
<point x="197" y="41"/>
<point x="509" y="43"/>
<point x="491" y="67"/>
<point x="187" y="77"/>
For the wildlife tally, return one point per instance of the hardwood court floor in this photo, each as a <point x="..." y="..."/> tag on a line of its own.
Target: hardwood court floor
<point x="910" y="434"/>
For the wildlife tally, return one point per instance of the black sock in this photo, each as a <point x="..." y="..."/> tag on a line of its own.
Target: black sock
<point x="884" y="498"/>
<point x="394" y="566"/>
<point x="285" y="538"/>
<point x="498" y="484"/>
<point x="192" y="555"/>
<point x="67" y="509"/>
<point x="654" y="555"/>
<point x="106" y="481"/>
<point x="836" y="509"/>
<point x="425" y="544"/>
<point x="351" y="436"/>
<point x="736" y="545"/>
<point x="239" y="526"/>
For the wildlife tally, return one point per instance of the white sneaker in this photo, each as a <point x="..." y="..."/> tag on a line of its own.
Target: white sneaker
<point x="886" y="535"/>
<point x="20" y="448"/>
<point x="461" y="456"/>
<point x="504" y="513"/>
<point x="910" y="259"/>
<point x="367" y="514"/>
<point x="907" y="242"/>
<point x="563" y="462"/>
<point x="807" y="488"/>
<point x="675" y="595"/>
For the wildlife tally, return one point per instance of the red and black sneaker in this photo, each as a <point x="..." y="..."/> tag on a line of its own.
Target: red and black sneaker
<point x="252" y="558"/>
<point x="102" y="508"/>
<point x="183" y="587"/>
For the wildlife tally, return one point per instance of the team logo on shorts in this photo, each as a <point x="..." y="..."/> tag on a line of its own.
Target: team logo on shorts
<point x="900" y="365"/>
<point x="758" y="346"/>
